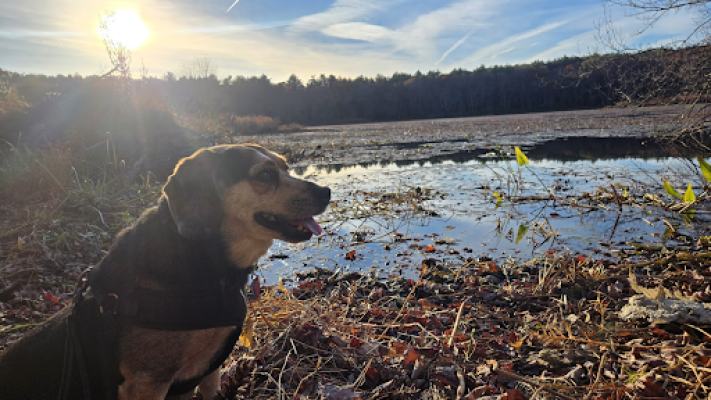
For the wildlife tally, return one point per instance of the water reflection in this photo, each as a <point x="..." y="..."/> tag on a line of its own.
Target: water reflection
<point x="564" y="150"/>
<point x="459" y="218"/>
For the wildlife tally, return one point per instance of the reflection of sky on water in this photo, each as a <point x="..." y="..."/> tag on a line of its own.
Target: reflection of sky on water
<point x="467" y="213"/>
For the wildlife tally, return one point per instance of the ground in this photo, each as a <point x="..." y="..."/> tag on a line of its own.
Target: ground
<point x="558" y="326"/>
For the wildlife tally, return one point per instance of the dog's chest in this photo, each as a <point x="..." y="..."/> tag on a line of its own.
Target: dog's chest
<point x="170" y="356"/>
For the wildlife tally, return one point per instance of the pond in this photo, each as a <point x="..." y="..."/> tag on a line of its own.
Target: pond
<point x="389" y="218"/>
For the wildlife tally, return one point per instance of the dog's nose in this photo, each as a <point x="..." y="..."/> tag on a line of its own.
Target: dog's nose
<point x="322" y="193"/>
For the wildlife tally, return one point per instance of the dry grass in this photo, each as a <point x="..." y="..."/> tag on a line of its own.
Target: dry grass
<point x="34" y="174"/>
<point x="466" y="332"/>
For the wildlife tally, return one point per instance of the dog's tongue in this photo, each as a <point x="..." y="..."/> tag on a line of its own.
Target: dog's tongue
<point x="310" y="224"/>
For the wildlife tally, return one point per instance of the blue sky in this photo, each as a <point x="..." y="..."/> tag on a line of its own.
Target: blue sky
<point x="310" y="37"/>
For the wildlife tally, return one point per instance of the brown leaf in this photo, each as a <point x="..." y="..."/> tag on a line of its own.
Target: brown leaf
<point x="647" y="388"/>
<point x="257" y="288"/>
<point x="410" y="356"/>
<point x="399" y="348"/>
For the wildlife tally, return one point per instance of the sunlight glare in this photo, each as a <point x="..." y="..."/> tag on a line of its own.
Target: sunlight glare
<point x="123" y="27"/>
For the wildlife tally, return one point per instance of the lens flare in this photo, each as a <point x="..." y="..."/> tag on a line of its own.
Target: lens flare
<point x="123" y="28"/>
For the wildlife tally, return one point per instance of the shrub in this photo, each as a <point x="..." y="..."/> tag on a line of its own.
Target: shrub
<point x="290" y="128"/>
<point x="254" y="125"/>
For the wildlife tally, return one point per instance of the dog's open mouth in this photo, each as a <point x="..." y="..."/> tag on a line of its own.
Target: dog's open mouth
<point x="296" y="230"/>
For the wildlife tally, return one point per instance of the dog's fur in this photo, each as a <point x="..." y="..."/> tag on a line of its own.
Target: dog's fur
<point x="219" y="213"/>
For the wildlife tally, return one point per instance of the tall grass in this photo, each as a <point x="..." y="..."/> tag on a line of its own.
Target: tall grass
<point x="65" y="172"/>
<point x="34" y="174"/>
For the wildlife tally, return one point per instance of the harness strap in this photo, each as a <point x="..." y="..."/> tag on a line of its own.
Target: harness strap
<point x="72" y="345"/>
<point x="216" y="306"/>
<point x="94" y="323"/>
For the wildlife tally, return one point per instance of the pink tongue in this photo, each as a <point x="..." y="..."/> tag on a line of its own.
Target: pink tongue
<point x="311" y="225"/>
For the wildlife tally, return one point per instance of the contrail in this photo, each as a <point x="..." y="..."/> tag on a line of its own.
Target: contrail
<point x="233" y="4"/>
<point x="454" y="47"/>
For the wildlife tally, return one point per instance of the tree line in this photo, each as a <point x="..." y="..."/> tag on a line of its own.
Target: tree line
<point x="563" y="84"/>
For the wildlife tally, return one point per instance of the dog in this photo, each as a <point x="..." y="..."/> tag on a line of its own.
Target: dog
<point x="163" y="309"/>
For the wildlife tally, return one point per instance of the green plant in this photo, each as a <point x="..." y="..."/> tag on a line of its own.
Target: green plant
<point x="513" y="181"/>
<point x="689" y="198"/>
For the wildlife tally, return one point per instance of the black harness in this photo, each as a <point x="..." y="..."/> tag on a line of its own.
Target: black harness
<point x="96" y="320"/>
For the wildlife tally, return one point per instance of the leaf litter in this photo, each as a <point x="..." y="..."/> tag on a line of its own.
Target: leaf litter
<point x="460" y="326"/>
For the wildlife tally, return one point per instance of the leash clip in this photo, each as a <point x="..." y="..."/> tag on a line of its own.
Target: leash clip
<point x="83" y="283"/>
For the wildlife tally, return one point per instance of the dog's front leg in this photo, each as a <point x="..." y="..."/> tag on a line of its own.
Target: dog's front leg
<point x="137" y="387"/>
<point x="209" y="385"/>
<point x="184" y="396"/>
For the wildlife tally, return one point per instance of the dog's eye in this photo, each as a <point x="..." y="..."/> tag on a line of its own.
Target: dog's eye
<point x="266" y="176"/>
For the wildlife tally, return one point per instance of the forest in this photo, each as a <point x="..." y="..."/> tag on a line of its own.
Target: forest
<point x="75" y="103"/>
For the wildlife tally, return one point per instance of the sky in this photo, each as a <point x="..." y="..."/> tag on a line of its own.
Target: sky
<point x="345" y="38"/>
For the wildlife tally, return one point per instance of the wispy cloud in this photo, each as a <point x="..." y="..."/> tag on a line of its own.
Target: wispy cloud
<point x="627" y="29"/>
<point x="358" y="31"/>
<point x="420" y="38"/>
<point x="346" y="38"/>
<point x="342" y="11"/>
<point x="488" y="54"/>
<point x="454" y="47"/>
<point x="17" y="34"/>
<point x="233" y="4"/>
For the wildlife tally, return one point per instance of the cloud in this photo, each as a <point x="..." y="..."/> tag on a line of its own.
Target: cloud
<point x="348" y="38"/>
<point x="488" y="54"/>
<point x="675" y="27"/>
<point x="419" y="39"/>
<point x="342" y="11"/>
<point x="422" y="36"/>
<point x="233" y="4"/>
<point x="358" y="31"/>
<point x="454" y="47"/>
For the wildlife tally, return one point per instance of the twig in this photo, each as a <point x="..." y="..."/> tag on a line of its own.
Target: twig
<point x="456" y="323"/>
<point x="531" y="382"/>
<point x="409" y="296"/>
<point x="617" y="198"/>
<point x="462" y="384"/>
<point x="597" y="377"/>
<point x="361" y="377"/>
<point x="101" y="216"/>
<point x="283" y="367"/>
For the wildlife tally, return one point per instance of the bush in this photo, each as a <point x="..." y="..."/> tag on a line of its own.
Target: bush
<point x="290" y="128"/>
<point x="254" y="125"/>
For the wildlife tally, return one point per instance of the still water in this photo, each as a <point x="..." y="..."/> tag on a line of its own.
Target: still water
<point x="387" y="218"/>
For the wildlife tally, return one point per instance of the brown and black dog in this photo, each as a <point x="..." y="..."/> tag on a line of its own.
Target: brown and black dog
<point x="160" y="313"/>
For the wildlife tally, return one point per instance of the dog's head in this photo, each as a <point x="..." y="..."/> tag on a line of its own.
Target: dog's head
<point x="244" y="190"/>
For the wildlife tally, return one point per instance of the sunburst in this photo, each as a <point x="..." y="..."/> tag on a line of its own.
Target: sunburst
<point x="123" y="27"/>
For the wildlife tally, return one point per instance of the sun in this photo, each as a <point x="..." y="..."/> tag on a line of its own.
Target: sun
<point x="123" y="27"/>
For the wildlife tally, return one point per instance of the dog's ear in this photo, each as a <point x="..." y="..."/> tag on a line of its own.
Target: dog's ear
<point x="193" y="196"/>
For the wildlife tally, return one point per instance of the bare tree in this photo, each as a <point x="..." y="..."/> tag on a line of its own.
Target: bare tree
<point x="651" y="11"/>
<point x="198" y="68"/>
<point x="679" y="73"/>
<point x="119" y="54"/>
